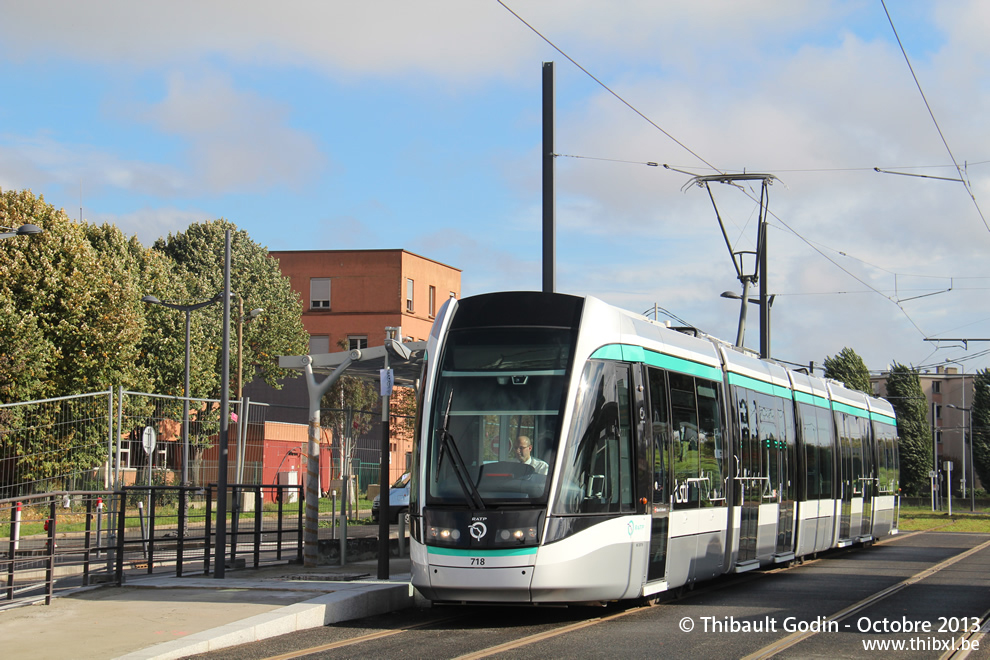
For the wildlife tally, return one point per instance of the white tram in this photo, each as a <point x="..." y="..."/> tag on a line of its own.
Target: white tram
<point x="670" y="458"/>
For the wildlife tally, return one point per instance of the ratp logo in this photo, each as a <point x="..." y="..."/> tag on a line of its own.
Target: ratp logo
<point x="632" y="527"/>
<point x="478" y="530"/>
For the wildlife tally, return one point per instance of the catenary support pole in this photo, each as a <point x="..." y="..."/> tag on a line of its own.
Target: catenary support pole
<point x="549" y="201"/>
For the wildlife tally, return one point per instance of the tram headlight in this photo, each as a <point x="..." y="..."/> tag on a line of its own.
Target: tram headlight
<point x="444" y="534"/>
<point x="524" y="535"/>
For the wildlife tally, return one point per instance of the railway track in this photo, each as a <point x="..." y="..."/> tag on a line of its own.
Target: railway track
<point x="892" y="582"/>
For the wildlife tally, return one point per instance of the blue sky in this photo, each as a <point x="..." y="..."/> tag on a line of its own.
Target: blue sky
<point x="416" y="125"/>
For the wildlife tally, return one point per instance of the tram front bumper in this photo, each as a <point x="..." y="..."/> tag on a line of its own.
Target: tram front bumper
<point x="492" y="585"/>
<point x="492" y="576"/>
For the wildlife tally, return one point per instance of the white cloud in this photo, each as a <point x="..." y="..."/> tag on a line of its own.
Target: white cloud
<point x="762" y="85"/>
<point x="41" y="161"/>
<point x="237" y="140"/>
<point x="452" y="38"/>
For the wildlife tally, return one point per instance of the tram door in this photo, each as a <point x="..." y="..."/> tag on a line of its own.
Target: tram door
<point x="868" y="477"/>
<point x="783" y="479"/>
<point x="750" y="476"/>
<point x="661" y="478"/>
<point x="847" y="484"/>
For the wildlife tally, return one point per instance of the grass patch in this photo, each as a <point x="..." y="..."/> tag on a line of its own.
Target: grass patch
<point x="914" y="519"/>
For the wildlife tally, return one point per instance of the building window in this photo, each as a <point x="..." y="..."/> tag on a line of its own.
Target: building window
<point x="357" y="341"/>
<point x="433" y="301"/>
<point x="938" y="411"/>
<point x="936" y="387"/>
<point x="938" y="436"/>
<point x="319" y="344"/>
<point x="319" y="293"/>
<point x="409" y="295"/>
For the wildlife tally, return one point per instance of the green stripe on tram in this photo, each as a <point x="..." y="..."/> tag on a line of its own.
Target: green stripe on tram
<point x="849" y="410"/>
<point x="628" y="353"/>
<point x="759" y="386"/>
<point x="883" y="418"/>
<point x="811" y="399"/>
<point x="469" y="552"/>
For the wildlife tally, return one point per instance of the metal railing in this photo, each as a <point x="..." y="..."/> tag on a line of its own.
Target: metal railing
<point x="174" y="527"/>
<point x="61" y="537"/>
<point x="67" y="539"/>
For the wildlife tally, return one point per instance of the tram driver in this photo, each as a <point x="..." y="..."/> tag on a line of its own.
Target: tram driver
<point x="523" y="451"/>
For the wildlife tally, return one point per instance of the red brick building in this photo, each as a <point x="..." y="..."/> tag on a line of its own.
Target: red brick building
<point x="351" y="296"/>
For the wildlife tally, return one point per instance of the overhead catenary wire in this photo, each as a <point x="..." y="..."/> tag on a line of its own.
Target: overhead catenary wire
<point x="609" y="89"/>
<point x="720" y="171"/>
<point x="932" y="114"/>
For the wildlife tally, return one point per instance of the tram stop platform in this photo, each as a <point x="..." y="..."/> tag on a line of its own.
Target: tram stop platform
<point x="164" y="616"/>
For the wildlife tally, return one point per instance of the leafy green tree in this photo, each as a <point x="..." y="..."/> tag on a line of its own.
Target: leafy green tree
<point x="81" y="301"/>
<point x="71" y="324"/>
<point x="911" y="407"/>
<point x="72" y="320"/>
<point x="257" y="279"/>
<point x="981" y="426"/>
<point x="848" y="368"/>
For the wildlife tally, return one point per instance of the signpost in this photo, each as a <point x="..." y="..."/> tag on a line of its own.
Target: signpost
<point x="149" y="438"/>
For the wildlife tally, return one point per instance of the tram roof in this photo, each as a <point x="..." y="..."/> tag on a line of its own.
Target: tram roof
<point x="368" y="365"/>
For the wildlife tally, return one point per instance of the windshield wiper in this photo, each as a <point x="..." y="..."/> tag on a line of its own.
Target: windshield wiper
<point x="447" y="443"/>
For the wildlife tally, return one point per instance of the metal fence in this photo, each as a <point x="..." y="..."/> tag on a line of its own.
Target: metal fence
<point x="55" y="444"/>
<point x="108" y="471"/>
<point x="116" y="438"/>
<point x="63" y="540"/>
<point x="107" y="440"/>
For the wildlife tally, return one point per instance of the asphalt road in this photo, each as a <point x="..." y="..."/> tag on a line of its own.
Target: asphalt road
<point x="917" y="594"/>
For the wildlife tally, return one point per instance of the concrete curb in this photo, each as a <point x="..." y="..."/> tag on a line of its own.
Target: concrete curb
<point x="349" y="601"/>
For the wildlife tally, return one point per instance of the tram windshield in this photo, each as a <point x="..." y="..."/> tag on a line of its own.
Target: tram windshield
<point x="494" y="425"/>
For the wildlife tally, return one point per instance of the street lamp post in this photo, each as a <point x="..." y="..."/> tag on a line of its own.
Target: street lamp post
<point x="242" y="318"/>
<point x="968" y="424"/>
<point x="188" y="309"/>
<point x="23" y="230"/>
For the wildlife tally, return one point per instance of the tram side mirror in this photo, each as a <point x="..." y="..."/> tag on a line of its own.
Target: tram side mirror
<point x="597" y="485"/>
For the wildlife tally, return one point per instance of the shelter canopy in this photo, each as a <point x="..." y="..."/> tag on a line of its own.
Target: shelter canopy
<point x="368" y="365"/>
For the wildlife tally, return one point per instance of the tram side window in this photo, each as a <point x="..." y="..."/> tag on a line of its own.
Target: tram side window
<point x="597" y="470"/>
<point x="854" y="427"/>
<point x="696" y="441"/>
<point x="770" y="439"/>
<point x="748" y="453"/>
<point x="886" y="459"/>
<point x="826" y="454"/>
<point x="868" y="453"/>
<point x="785" y="409"/>
<point x="710" y="445"/>
<point x="661" y="434"/>
<point x="758" y="421"/>
<point x="624" y="447"/>
<point x="684" y="422"/>
<point x="812" y="466"/>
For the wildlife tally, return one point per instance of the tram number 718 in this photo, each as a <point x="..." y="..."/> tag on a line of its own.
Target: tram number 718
<point x="477" y="561"/>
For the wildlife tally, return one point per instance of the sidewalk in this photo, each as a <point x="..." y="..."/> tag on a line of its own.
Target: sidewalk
<point x="164" y="616"/>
